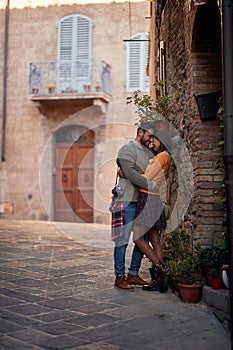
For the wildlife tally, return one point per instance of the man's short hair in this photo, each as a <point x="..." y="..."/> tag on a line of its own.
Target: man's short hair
<point x="144" y="127"/>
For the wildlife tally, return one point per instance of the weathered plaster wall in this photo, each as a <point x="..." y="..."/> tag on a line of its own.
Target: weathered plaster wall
<point x="33" y="38"/>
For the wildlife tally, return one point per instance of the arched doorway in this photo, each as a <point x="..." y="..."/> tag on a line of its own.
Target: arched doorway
<point x="73" y="174"/>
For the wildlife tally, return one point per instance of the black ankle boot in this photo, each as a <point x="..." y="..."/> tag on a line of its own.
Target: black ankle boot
<point x="162" y="280"/>
<point x="154" y="284"/>
<point x="152" y="273"/>
<point x="159" y="282"/>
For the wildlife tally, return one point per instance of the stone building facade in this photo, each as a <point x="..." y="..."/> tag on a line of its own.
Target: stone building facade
<point x="60" y="147"/>
<point x="60" y="143"/>
<point x="187" y="54"/>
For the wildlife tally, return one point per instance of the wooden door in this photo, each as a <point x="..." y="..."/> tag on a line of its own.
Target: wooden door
<point x="74" y="183"/>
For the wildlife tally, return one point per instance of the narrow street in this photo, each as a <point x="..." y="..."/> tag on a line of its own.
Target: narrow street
<point x="57" y="293"/>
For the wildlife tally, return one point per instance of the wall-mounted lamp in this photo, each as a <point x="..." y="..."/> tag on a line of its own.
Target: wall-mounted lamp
<point x="199" y="2"/>
<point x="208" y="105"/>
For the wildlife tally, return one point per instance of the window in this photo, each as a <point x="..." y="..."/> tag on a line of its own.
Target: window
<point x="137" y="60"/>
<point x="74" y="53"/>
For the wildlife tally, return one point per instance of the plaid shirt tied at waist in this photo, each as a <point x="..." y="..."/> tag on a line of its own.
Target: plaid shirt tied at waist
<point x="117" y="229"/>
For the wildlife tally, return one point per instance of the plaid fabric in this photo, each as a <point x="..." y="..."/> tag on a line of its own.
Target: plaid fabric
<point x="117" y="209"/>
<point x="150" y="212"/>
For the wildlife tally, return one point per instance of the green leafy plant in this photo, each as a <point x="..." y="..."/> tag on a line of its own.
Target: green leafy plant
<point x="185" y="271"/>
<point x="145" y="108"/>
<point x="162" y="108"/>
<point x="215" y="273"/>
<point x="210" y="261"/>
<point x="178" y="255"/>
<point x="213" y="257"/>
<point x="177" y="245"/>
<point x="220" y="164"/>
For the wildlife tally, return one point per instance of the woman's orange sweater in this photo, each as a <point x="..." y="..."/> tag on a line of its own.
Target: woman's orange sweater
<point x="157" y="171"/>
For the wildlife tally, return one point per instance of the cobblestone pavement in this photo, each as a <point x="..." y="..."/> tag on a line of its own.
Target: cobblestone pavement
<point x="57" y="293"/>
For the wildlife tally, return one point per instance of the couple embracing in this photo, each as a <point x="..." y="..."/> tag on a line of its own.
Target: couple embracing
<point x="144" y="165"/>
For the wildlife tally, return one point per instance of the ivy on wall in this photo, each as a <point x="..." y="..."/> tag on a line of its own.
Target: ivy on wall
<point x="220" y="165"/>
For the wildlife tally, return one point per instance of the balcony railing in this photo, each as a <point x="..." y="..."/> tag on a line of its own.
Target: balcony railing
<point x="69" y="78"/>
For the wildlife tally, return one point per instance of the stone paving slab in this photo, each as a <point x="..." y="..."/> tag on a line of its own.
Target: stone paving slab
<point x="56" y="292"/>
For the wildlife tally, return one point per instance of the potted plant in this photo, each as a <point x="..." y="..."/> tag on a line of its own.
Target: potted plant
<point x="35" y="90"/>
<point x="184" y="272"/>
<point x="87" y="88"/>
<point x="51" y="89"/>
<point x="98" y="87"/>
<point x="211" y="259"/>
<point x="186" y="275"/>
<point x="216" y="279"/>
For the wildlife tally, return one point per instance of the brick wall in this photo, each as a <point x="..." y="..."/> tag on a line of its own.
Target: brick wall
<point x="197" y="71"/>
<point x="207" y="72"/>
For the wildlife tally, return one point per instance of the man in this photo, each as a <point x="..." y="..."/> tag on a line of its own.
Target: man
<point x="133" y="159"/>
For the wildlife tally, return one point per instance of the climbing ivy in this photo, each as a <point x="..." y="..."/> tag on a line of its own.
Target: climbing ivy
<point x="220" y="165"/>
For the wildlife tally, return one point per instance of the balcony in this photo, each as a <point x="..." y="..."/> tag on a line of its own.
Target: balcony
<point x="54" y="84"/>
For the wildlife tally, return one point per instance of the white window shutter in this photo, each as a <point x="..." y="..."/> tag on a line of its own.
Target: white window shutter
<point x="83" y="47"/>
<point x="136" y="63"/>
<point x="74" y="53"/>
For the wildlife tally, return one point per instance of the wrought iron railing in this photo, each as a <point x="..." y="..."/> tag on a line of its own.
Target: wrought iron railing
<point x="69" y="77"/>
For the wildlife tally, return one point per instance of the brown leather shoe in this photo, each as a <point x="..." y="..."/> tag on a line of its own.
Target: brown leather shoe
<point x="121" y="283"/>
<point x="136" y="280"/>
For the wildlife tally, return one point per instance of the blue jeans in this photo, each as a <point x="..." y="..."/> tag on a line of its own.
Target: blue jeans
<point x="122" y="243"/>
<point x="136" y="259"/>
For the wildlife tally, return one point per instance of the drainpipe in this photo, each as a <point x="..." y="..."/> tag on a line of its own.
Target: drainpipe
<point x="227" y="51"/>
<point x="4" y="97"/>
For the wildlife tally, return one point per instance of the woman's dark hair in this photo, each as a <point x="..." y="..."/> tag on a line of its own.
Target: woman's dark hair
<point x="164" y="137"/>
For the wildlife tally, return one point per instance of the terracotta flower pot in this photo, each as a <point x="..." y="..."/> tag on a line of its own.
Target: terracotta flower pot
<point x="190" y="293"/>
<point x="35" y="90"/>
<point x="216" y="283"/>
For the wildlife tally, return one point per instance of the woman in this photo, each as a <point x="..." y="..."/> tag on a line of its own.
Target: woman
<point x="150" y="213"/>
